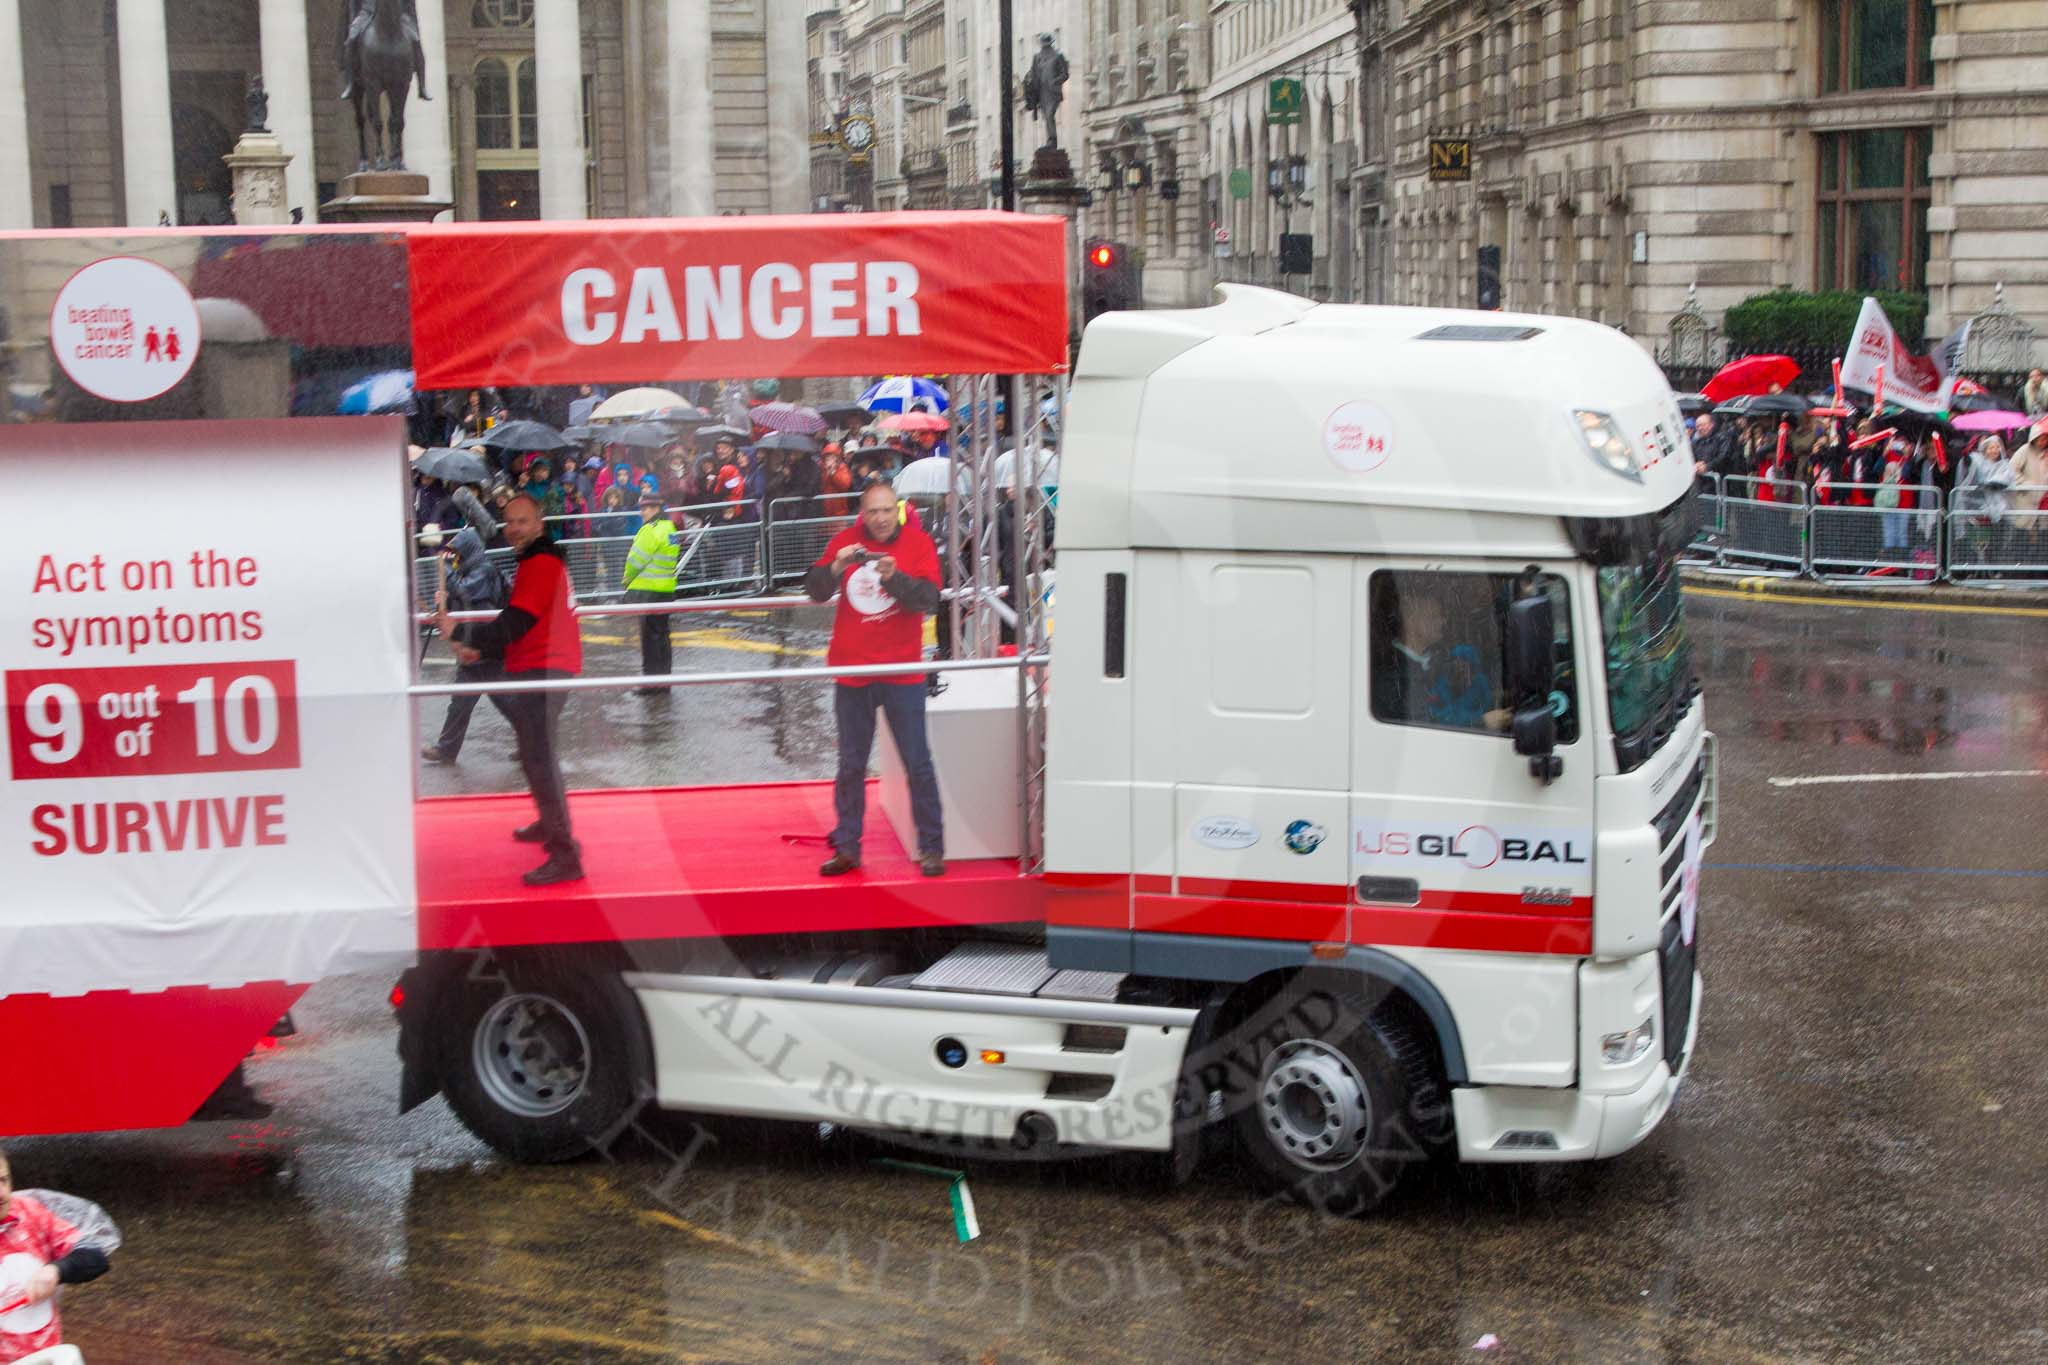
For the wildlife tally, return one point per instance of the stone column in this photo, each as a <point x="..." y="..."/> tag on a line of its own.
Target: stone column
<point x="17" y="193"/>
<point x="558" y="48"/>
<point x="692" y="157"/>
<point x="287" y="79"/>
<point x="789" y="140"/>
<point x="148" y="159"/>
<point x="426" y="125"/>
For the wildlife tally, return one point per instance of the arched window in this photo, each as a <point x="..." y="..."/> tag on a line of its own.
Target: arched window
<point x="501" y="14"/>
<point x="529" y="105"/>
<point x="494" y="125"/>
<point x="507" y="106"/>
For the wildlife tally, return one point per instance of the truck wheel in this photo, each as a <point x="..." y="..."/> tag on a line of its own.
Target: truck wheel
<point x="1328" y="1118"/>
<point x="544" y="1065"/>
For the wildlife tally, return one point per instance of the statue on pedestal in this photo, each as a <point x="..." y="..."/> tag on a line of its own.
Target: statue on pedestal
<point x="380" y="54"/>
<point x="1042" y="87"/>
<point x="256" y="108"/>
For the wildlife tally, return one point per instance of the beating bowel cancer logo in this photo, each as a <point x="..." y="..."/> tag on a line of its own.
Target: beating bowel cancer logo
<point x="865" y="591"/>
<point x="125" y="329"/>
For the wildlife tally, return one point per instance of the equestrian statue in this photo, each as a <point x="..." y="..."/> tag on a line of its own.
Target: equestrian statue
<point x="379" y="53"/>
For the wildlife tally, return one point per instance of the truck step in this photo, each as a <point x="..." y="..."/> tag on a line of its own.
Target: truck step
<point x="1013" y="969"/>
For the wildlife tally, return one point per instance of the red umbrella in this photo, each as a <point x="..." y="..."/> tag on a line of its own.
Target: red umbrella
<point x="1752" y="374"/>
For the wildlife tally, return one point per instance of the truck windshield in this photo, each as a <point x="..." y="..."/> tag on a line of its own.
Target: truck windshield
<point x="1642" y="625"/>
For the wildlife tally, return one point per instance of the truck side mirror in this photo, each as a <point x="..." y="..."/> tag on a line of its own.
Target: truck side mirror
<point x="1531" y="668"/>
<point x="1531" y="663"/>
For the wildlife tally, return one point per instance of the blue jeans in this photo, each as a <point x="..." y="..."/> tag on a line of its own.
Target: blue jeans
<point x="854" y="708"/>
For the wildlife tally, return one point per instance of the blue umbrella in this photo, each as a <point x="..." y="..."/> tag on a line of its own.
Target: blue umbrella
<point x="390" y="391"/>
<point x="905" y="393"/>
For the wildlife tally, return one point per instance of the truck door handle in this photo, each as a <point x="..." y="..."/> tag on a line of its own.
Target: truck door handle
<point x="1390" y="890"/>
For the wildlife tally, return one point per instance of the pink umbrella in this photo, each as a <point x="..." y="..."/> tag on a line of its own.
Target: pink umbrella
<point x="795" y="417"/>
<point x="1997" y="419"/>
<point x="914" y="421"/>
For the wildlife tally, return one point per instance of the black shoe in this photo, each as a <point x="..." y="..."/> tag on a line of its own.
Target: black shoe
<point x="554" y="870"/>
<point x="838" y="865"/>
<point x="434" y="753"/>
<point x="530" y="834"/>
<point x="932" y="864"/>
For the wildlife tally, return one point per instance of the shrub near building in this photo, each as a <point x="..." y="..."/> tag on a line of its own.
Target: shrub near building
<point x="1790" y="322"/>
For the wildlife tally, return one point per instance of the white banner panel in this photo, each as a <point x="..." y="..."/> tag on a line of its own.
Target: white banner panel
<point x="205" y="772"/>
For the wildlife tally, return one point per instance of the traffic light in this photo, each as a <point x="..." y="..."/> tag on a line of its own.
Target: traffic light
<point x="1111" y="279"/>
<point x="1489" y="278"/>
<point x="1297" y="253"/>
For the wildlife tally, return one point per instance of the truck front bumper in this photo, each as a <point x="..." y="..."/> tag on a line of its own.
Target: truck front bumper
<point x="1526" y="1123"/>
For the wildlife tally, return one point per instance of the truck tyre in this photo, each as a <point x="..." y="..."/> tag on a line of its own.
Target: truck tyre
<point x="1329" y="1117"/>
<point x="544" y="1064"/>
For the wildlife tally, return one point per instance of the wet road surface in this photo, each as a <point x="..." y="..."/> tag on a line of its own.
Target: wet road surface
<point x="1855" y="1169"/>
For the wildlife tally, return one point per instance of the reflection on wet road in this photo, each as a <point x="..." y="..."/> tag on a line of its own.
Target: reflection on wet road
<point x="1856" y="1169"/>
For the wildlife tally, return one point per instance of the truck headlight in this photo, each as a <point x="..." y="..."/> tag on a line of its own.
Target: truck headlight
<point x="1619" y="1049"/>
<point x="1605" y="443"/>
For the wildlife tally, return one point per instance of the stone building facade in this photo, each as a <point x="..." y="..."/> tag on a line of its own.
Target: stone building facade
<point x="927" y="73"/>
<point x="1623" y="154"/>
<point x="119" y="112"/>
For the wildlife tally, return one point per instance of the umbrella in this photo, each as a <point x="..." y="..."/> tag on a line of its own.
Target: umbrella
<point x="453" y="466"/>
<point x="638" y="436"/>
<point x="580" y="434"/>
<point x="524" y="435"/>
<point x="889" y="453"/>
<point x="1752" y="374"/>
<point x="624" y="407"/>
<point x="914" y="421"/>
<point x="902" y="393"/>
<point x="1764" y="405"/>
<point x="1996" y="419"/>
<point x="787" y="417"/>
<point x="1693" y="404"/>
<point x="390" y="391"/>
<point x="1971" y="397"/>
<point x="843" y="414"/>
<point x="680" y="415"/>
<point x="924" y="478"/>
<point x="1048" y="469"/>
<point x="710" y="436"/>
<point x="787" y="440"/>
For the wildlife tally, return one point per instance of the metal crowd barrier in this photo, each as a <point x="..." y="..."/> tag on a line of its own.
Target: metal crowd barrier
<point x="1766" y="525"/>
<point x="1705" y="548"/>
<point x="798" y="532"/>
<point x="2008" y="544"/>
<point x="1778" y="530"/>
<point x="1851" y="537"/>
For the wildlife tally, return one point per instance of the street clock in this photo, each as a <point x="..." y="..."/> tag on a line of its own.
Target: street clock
<point x="857" y="135"/>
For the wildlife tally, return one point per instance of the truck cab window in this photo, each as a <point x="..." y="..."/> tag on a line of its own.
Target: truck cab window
<point x="1436" y="649"/>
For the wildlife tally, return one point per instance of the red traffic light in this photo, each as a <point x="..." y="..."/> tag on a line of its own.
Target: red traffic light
<point x="1103" y="256"/>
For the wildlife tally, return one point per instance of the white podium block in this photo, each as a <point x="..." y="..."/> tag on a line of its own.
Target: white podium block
<point x="972" y="726"/>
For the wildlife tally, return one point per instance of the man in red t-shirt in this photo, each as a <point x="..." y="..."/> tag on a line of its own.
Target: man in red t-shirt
<point x="38" y="1252"/>
<point x="536" y="635"/>
<point x="886" y="572"/>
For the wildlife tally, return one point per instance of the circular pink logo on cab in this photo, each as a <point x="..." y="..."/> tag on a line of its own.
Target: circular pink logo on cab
<point x="125" y="329"/>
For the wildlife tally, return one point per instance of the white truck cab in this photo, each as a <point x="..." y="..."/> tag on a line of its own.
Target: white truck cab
<point x="1300" y="546"/>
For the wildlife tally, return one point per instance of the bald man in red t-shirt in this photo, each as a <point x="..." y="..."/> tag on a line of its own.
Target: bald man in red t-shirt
<point x="886" y="572"/>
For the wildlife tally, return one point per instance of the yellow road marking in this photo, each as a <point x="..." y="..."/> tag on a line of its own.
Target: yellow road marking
<point x="1796" y="600"/>
<point x="713" y="639"/>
